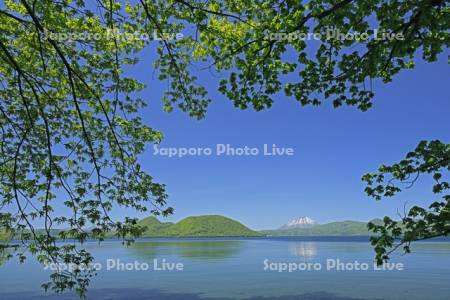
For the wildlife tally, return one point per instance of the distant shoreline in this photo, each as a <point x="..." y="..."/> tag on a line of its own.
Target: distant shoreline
<point x="307" y="238"/>
<point x="218" y="226"/>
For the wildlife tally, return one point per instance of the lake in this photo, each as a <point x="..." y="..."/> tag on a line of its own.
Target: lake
<point x="253" y="269"/>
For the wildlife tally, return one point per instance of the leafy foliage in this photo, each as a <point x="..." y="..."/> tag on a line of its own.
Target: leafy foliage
<point x="429" y="158"/>
<point x="4" y="235"/>
<point x="69" y="133"/>
<point x="234" y="38"/>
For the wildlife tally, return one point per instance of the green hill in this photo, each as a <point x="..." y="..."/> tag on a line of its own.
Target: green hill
<point x="334" y="228"/>
<point x="213" y="225"/>
<point x="200" y="226"/>
<point x="154" y="226"/>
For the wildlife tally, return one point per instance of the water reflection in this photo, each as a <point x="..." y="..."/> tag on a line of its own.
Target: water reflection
<point x="196" y="250"/>
<point x="304" y="249"/>
<point x="4" y="256"/>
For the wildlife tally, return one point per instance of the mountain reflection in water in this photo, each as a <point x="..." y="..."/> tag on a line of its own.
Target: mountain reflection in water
<point x="196" y="249"/>
<point x="306" y="249"/>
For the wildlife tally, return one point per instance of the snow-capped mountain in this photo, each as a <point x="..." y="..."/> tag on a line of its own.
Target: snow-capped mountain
<point x="301" y="222"/>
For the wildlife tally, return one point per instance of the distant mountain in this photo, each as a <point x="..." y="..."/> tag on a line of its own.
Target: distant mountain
<point x="199" y="226"/>
<point x="302" y="222"/>
<point x="220" y="226"/>
<point x="154" y="226"/>
<point x="334" y="228"/>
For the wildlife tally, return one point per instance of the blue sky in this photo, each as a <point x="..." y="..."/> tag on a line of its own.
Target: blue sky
<point x="333" y="149"/>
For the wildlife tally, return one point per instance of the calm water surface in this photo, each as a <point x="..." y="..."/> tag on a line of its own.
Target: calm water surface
<point x="235" y="269"/>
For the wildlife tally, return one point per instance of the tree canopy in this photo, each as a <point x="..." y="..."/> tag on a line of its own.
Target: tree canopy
<point x="70" y="131"/>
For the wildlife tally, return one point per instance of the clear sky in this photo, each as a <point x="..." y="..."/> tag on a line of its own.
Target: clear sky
<point x="333" y="149"/>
